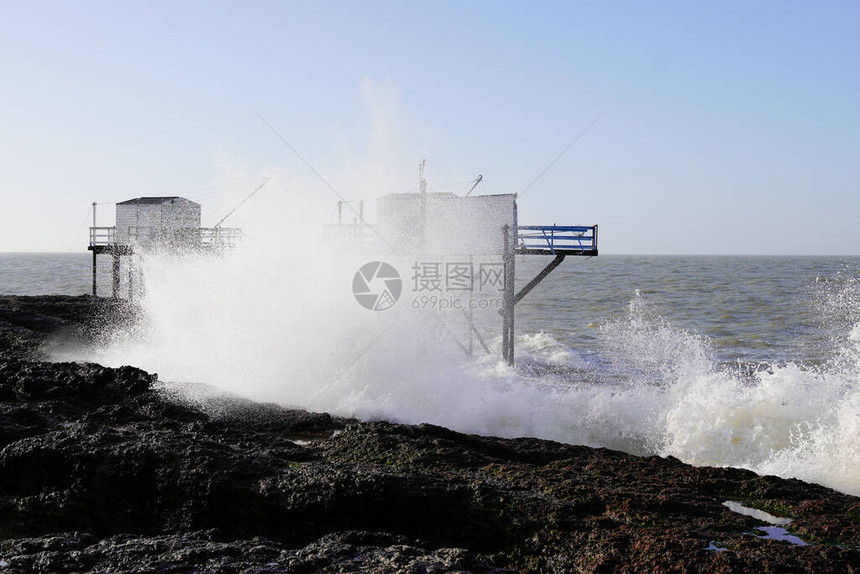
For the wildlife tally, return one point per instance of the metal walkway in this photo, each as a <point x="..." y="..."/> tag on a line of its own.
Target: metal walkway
<point x="556" y="240"/>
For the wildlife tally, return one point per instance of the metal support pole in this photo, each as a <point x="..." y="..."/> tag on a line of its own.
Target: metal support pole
<point x="540" y="277"/>
<point x="508" y="300"/>
<point x="470" y="316"/>
<point x="470" y="320"/>
<point x="116" y="276"/>
<point x="358" y="228"/>
<point x="474" y="331"/>
<point x="130" y="280"/>
<point x="93" y="247"/>
<point x="95" y="273"/>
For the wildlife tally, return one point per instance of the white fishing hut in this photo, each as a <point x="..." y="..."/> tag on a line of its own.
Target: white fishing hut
<point x="443" y="224"/>
<point x="143" y="224"/>
<point x="157" y="219"/>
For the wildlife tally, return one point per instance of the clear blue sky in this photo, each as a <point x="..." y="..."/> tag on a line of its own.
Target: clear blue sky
<point x="730" y="127"/>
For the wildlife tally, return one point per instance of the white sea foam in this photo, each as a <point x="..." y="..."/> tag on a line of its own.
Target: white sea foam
<point x="277" y="321"/>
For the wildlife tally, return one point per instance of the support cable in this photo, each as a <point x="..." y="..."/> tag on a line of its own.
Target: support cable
<point x="347" y="368"/>
<point x="78" y="233"/>
<point x="558" y="157"/>
<point x="322" y="179"/>
<point x="241" y="203"/>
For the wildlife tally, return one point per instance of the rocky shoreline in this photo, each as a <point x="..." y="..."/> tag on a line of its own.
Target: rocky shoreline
<point x="110" y="470"/>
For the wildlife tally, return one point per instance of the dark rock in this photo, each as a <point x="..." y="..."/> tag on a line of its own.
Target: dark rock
<point x="201" y="552"/>
<point x="103" y="470"/>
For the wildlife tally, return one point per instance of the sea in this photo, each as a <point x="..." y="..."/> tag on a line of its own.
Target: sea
<point x="742" y="361"/>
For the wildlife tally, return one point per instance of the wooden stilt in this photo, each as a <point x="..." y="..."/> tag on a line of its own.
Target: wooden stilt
<point x="95" y="274"/>
<point x="508" y="300"/>
<point x="130" y="281"/>
<point x="473" y="331"/>
<point x="116" y="261"/>
<point x="470" y="320"/>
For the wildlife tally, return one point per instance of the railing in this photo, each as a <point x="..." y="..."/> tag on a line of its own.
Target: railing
<point x="348" y="233"/>
<point x="531" y="239"/>
<point x="102" y="236"/>
<point x="557" y="239"/>
<point x="220" y="236"/>
<point x="152" y="237"/>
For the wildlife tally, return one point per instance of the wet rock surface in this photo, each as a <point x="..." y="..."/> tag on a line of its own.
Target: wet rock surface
<point x="109" y="470"/>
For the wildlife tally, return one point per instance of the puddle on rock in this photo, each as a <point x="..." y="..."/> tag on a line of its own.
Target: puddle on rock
<point x="756" y="513"/>
<point x="773" y="532"/>
<point x="779" y="533"/>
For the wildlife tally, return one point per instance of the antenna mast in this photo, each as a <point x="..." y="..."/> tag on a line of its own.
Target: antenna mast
<point x="475" y="183"/>
<point x="422" y="190"/>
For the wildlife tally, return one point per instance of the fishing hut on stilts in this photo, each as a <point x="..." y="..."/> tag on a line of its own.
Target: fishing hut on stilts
<point x="425" y="225"/>
<point x="153" y="224"/>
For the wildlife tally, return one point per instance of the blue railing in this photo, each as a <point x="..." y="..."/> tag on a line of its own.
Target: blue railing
<point x="557" y="239"/>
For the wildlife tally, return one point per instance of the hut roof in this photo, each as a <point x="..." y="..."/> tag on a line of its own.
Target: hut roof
<point x="152" y="200"/>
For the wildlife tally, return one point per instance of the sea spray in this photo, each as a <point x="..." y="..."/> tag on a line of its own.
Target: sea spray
<point x="645" y="348"/>
<point x="276" y="320"/>
<point x="827" y="450"/>
<point x="788" y="419"/>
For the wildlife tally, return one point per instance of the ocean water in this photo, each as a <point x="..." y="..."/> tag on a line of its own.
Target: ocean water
<point x="750" y="362"/>
<point x="750" y="309"/>
<point x="51" y="273"/>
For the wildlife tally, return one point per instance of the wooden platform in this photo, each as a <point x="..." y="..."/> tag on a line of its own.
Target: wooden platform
<point x="575" y="240"/>
<point x="104" y="241"/>
<point x="111" y="249"/>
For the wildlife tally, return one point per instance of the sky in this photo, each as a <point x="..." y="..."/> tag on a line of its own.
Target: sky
<point x="721" y="127"/>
